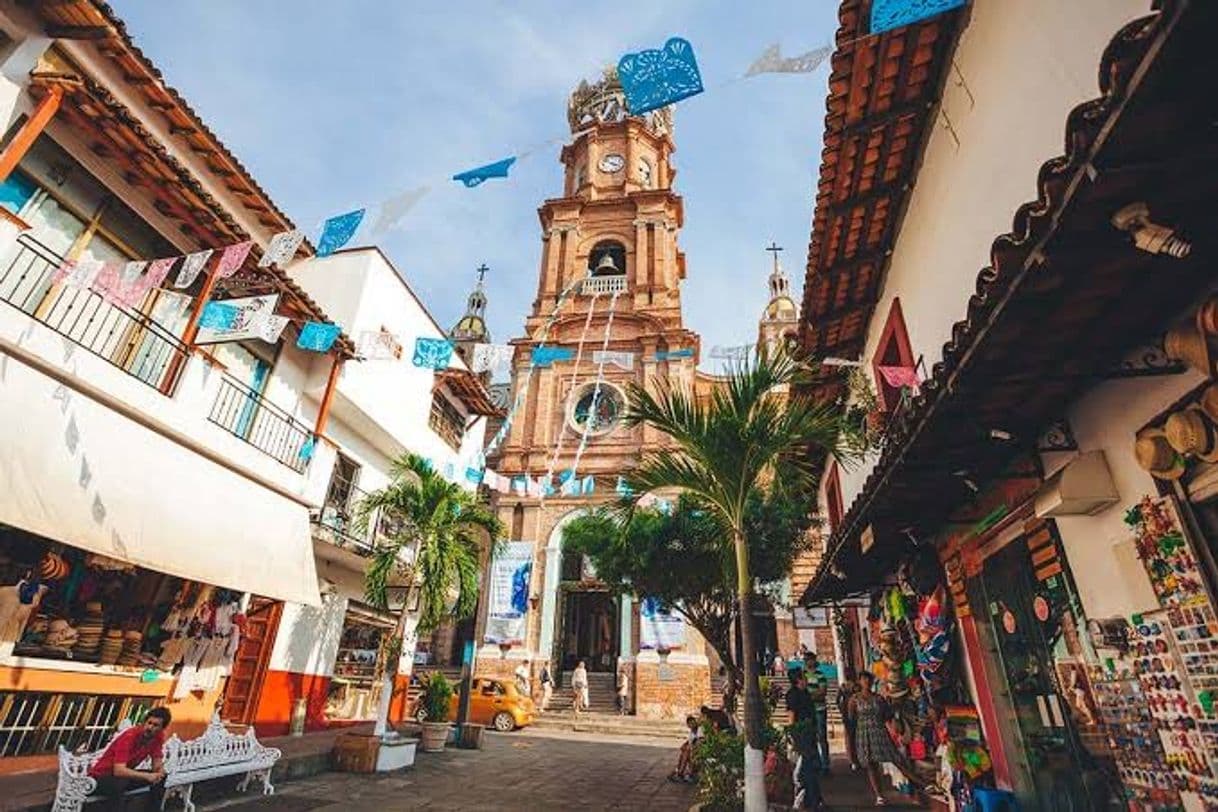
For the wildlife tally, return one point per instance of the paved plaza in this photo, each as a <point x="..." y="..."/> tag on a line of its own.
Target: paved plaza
<point x="525" y="770"/>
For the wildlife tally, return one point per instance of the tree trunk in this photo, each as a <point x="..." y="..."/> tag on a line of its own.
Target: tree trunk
<point x="754" y="755"/>
<point x="391" y="671"/>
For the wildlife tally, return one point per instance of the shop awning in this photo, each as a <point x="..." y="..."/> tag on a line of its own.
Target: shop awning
<point x="1066" y="298"/>
<point x="76" y="471"/>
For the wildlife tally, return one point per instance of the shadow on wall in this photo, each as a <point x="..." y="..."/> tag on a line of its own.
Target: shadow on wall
<point x="313" y="634"/>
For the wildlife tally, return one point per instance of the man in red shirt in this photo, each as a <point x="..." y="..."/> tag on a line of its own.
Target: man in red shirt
<point x="116" y="771"/>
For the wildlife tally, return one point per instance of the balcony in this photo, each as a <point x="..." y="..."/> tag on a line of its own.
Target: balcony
<point x="125" y="338"/>
<point x="335" y="521"/>
<point x="604" y="285"/>
<point x="248" y="416"/>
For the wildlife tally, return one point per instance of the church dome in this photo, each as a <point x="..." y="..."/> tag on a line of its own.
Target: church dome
<point x="781" y="309"/>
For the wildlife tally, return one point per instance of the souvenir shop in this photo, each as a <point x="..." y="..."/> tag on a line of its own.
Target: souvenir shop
<point x="907" y="637"/>
<point x="88" y="640"/>
<point x="362" y="652"/>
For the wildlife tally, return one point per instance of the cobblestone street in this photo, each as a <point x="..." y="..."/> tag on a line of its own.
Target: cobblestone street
<point x="526" y="770"/>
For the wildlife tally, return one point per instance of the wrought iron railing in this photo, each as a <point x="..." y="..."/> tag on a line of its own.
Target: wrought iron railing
<point x="336" y="520"/>
<point x="35" y="722"/>
<point x="246" y="414"/>
<point x="126" y="338"/>
<point x="602" y="285"/>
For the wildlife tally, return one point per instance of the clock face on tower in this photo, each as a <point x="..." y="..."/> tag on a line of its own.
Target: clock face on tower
<point x="612" y="163"/>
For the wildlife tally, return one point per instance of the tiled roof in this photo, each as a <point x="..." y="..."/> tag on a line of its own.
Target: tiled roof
<point x="1066" y="295"/>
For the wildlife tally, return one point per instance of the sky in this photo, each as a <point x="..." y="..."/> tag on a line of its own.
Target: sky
<point x="334" y="106"/>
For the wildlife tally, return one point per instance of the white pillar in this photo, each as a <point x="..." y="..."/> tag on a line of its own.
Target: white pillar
<point x="625" y="636"/>
<point x="549" y="603"/>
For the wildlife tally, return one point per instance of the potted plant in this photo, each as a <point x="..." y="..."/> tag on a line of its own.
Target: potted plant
<point x="436" y="702"/>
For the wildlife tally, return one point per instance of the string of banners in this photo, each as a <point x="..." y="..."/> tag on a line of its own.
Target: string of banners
<point x="651" y="78"/>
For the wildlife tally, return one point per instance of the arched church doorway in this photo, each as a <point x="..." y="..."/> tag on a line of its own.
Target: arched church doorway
<point x="587" y="618"/>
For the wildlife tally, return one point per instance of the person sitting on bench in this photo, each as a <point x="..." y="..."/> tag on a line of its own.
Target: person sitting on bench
<point x="116" y="771"/>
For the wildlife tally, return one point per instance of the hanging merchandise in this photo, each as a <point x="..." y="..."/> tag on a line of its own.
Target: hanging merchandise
<point x="1125" y="715"/>
<point x="1165" y="553"/>
<point x="191" y="266"/>
<point x="338" y="231"/>
<point x="473" y="177"/>
<point x="282" y="248"/>
<point x="621" y="360"/>
<point x="488" y="357"/>
<point x="232" y="258"/>
<point x="653" y="79"/>
<point x="317" y="336"/>
<point x="432" y="353"/>
<point x="218" y="316"/>
<point x="392" y="211"/>
<point x="889" y="14"/>
<point x="772" y="61"/>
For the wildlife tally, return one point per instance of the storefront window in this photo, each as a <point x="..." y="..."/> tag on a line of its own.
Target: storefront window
<point x="362" y="648"/>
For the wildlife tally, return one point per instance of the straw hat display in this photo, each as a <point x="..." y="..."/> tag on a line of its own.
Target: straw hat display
<point x="1193" y="342"/>
<point x="1156" y="456"/>
<point x="52" y="567"/>
<point x="1192" y="432"/>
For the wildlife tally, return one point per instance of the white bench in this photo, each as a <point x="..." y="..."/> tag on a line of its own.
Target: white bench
<point x="215" y="754"/>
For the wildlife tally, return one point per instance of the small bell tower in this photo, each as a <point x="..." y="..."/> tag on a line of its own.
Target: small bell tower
<point x="780" y="319"/>
<point x="471" y="328"/>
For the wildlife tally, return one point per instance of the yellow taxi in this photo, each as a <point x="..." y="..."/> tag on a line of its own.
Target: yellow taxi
<point x="494" y="703"/>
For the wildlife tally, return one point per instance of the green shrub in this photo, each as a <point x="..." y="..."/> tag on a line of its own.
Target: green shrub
<point x="719" y="758"/>
<point x="437" y="696"/>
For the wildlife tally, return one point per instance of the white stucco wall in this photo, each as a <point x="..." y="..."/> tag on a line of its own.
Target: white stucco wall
<point x="1107" y="418"/>
<point x="1019" y="69"/>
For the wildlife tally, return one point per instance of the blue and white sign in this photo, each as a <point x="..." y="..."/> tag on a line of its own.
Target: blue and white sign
<point x="659" y="630"/>
<point x="511" y="575"/>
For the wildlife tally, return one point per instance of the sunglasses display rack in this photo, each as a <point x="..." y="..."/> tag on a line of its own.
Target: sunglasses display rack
<point x="1132" y="735"/>
<point x="1172" y="705"/>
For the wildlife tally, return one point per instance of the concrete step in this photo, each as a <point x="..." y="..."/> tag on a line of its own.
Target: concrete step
<point x="611" y="724"/>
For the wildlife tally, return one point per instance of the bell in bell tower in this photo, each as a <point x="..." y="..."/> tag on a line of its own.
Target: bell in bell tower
<point x="471" y="328"/>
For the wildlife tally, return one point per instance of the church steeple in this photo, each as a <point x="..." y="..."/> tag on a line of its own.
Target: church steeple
<point x="472" y="326"/>
<point x="781" y="315"/>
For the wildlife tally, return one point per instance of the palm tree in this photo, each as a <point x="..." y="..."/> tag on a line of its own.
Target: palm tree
<point x="444" y="527"/>
<point x="752" y="429"/>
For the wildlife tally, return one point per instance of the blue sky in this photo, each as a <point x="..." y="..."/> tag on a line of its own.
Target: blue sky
<point x="333" y="106"/>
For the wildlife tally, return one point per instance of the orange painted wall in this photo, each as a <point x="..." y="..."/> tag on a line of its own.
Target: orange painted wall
<point x="281" y="689"/>
<point x="190" y="715"/>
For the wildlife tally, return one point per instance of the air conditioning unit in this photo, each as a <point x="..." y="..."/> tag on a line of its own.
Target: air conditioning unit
<point x="1083" y="487"/>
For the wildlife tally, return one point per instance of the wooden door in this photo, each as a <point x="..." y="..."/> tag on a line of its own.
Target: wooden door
<point x="249" y="666"/>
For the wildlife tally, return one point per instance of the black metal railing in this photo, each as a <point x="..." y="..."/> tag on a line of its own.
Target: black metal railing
<point x="126" y="338"/>
<point x="336" y="520"/>
<point x="246" y="414"/>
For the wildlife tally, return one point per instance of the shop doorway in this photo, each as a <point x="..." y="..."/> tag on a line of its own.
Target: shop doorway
<point x="589" y="630"/>
<point x="250" y="664"/>
<point x="1020" y="630"/>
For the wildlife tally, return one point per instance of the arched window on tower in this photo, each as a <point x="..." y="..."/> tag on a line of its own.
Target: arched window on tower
<point x="607" y="258"/>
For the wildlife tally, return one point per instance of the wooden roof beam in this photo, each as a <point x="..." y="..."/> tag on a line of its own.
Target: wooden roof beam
<point x="78" y="32"/>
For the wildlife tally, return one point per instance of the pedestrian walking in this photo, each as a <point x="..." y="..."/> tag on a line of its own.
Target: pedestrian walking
<point x="803" y="741"/>
<point x="547" y="686"/>
<point x="844" y="692"/>
<point x="523" y="678"/>
<point x="579" y="685"/>
<point x="779" y="665"/>
<point x="818" y="689"/>
<point x="623" y="691"/>
<point x="872" y="735"/>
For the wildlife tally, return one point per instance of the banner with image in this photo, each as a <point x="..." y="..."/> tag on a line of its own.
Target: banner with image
<point x="252" y="313"/>
<point x="511" y="574"/>
<point x="659" y="630"/>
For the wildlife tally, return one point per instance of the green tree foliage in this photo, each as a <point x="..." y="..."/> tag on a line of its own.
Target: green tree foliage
<point x="446" y="523"/>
